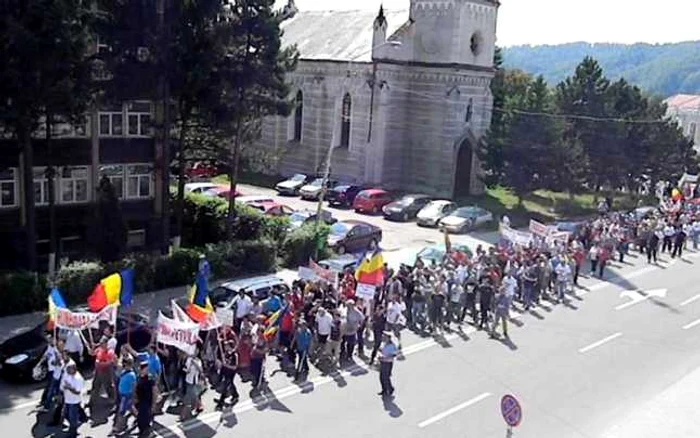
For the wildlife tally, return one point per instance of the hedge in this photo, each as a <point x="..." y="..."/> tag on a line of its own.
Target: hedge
<point x="302" y="244"/>
<point x="23" y="292"/>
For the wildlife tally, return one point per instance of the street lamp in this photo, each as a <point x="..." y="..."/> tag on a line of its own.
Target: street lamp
<point x="329" y="155"/>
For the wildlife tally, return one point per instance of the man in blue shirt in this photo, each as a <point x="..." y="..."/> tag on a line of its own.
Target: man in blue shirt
<point x="126" y="388"/>
<point x="273" y="304"/>
<point x="302" y="340"/>
<point x="386" y="365"/>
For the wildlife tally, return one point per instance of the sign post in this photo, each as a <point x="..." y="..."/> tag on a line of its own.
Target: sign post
<point x="512" y="413"/>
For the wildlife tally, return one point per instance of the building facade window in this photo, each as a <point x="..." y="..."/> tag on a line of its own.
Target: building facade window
<point x="74" y="184"/>
<point x="115" y="174"/>
<point x="138" y="118"/>
<point x="8" y="188"/>
<point x="298" y="116"/>
<point x="139" y="181"/>
<point x="345" y="121"/>
<point x="41" y="186"/>
<point x="136" y="239"/>
<point x="111" y="124"/>
<point x="470" y="111"/>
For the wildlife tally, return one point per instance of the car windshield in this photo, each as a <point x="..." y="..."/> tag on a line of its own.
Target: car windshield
<point x="339" y="229"/>
<point x="299" y="216"/>
<point x="433" y="207"/>
<point x="431" y="253"/>
<point x="405" y="202"/>
<point x="298" y="177"/>
<point x="318" y="182"/>
<point x="466" y="212"/>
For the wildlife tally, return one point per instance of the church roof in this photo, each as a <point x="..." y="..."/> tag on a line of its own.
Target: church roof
<point x="684" y="101"/>
<point x="337" y="35"/>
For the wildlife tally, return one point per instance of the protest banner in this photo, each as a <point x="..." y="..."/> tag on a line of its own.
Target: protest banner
<point x="68" y="320"/>
<point x="323" y="273"/>
<point x="559" y="236"/>
<point x="211" y="323"/>
<point x="224" y="316"/>
<point x="307" y="274"/>
<point x="179" y="334"/>
<point x="538" y="228"/>
<point x="365" y="291"/>
<point x="516" y="237"/>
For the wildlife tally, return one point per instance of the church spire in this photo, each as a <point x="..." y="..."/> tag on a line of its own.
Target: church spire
<point x="380" y="20"/>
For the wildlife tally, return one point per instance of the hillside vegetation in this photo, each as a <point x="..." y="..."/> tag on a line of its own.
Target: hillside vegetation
<point x="663" y="69"/>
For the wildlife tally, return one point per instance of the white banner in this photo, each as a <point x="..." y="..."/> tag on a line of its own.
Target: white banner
<point x="365" y="291"/>
<point x="180" y="315"/>
<point x="181" y="335"/>
<point x="307" y="274"/>
<point x="539" y="229"/>
<point x="559" y="236"/>
<point x="68" y="320"/>
<point x="224" y="316"/>
<point x="521" y="238"/>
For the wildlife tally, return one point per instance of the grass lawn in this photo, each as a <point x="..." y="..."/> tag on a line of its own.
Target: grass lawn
<point x="254" y="179"/>
<point x="544" y="205"/>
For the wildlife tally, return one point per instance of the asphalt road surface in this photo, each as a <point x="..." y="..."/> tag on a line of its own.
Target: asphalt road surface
<point x="590" y="368"/>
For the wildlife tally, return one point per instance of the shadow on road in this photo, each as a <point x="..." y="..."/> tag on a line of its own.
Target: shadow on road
<point x="391" y="407"/>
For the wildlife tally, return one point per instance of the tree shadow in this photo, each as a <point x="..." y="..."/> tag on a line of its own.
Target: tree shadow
<point x="391" y="407"/>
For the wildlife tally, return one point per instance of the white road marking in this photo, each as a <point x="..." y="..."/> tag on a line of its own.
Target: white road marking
<point x="451" y="411"/>
<point x="690" y="300"/>
<point x="636" y="297"/>
<point x="29" y="404"/>
<point x="691" y="325"/>
<point x="604" y="284"/>
<point x="599" y="343"/>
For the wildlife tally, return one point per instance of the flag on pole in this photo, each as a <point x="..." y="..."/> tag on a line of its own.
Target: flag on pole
<point x="116" y="289"/>
<point x="56" y="302"/>
<point x="371" y="269"/>
<point x="200" y="306"/>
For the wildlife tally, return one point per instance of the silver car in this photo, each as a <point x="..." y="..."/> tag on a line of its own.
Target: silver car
<point x="465" y="218"/>
<point x="430" y="215"/>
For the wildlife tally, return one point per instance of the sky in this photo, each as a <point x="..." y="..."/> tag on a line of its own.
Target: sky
<point x="561" y="21"/>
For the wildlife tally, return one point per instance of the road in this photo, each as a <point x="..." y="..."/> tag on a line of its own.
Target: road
<point x="591" y="368"/>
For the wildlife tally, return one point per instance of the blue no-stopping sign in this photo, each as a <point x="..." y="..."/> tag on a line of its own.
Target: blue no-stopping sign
<point x="511" y="410"/>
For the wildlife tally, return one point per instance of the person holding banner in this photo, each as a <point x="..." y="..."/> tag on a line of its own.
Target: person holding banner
<point x="73" y="385"/>
<point x="105" y="362"/>
<point x="227" y="386"/>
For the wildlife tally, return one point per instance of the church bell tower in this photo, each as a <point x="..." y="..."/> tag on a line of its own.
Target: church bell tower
<point x="454" y="31"/>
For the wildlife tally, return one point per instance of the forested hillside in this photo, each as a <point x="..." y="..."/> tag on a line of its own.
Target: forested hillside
<point x="663" y="69"/>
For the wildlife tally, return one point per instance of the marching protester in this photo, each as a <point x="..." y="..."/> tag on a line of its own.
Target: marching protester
<point x="125" y="389"/>
<point x="145" y="399"/>
<point x="386" y="365"/>
<point x="103" y="380"/>
<point x="73" y="385"/>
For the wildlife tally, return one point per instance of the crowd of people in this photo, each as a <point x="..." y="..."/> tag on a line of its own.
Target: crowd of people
<point x="328" y="325"/>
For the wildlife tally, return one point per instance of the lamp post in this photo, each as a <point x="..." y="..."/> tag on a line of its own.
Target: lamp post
<point x="329" y="155"/>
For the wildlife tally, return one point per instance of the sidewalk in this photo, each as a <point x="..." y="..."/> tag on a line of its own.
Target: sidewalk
<point x="668" y="414"/>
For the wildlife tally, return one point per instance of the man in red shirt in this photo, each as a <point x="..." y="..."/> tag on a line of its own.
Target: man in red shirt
<point x="105" y="361"/>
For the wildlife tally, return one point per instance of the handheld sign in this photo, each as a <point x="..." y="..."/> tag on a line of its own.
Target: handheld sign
<point x="511" y="410"/>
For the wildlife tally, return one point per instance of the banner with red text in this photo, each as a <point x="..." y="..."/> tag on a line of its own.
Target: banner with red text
<point x="66" y="319"/>
<point x="179" y="334"/>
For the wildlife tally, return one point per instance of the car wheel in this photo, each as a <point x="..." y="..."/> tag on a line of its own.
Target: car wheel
<point x="341" y="250"/>
<point x="39" y="373"/>
<point x="405" y="217"/>
<point x="375" y="210"/>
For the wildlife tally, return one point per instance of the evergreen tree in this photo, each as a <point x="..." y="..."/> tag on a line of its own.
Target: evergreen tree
<point x="109" y="231"/>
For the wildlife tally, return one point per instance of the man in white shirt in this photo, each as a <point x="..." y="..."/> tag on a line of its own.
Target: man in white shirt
<point x="510" y="285"/>
<point x="111" y="340"/>
<point x="695" y="233"/>
<point x="72" y="385"/>
<point x="54" y="364"/>
<point x="669" y="232"/>
<point x="74" y="346"/>
<point x="324" y="324"/>
<point x="243" y="307"/>
<point x="193" y="392"/>
<point x="394" y="316"/>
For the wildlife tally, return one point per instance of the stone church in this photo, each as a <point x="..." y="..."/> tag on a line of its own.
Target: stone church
<point x="397" y="98"/>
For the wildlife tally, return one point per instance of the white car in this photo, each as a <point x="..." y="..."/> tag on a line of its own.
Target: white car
<point x="250" y="199"/>
<point x="292" y="185"/>
<point x="199" y="187"/>
<point x="430" y="215"/>
<point x="464" y="219"/>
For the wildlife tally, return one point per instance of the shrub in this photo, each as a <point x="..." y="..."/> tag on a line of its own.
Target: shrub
<point x="22" y="292"/>
<point x="302" y="243"/>
<point x="230" y="259"/>
<point x="176" y="269"/>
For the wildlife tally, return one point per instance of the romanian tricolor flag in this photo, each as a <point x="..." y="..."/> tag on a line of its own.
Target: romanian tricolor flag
<point x="115" y="289"/>
<point x="272" y="323"/>
<point x="56" y="302"/>
<point x="371" y="270"/>
<point x="200" y="306"/>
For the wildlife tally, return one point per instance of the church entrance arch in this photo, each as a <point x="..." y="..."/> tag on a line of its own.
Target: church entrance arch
<point x="463" y="167"/>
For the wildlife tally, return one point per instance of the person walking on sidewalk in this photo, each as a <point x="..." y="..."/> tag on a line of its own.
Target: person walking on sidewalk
<point x="386" y="365"/>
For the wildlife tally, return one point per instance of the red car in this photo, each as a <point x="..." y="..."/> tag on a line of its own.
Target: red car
<point x="272" y="208"/>
<point x="201" y="170"/>
<point x="371" y="201"/>
<point x="222" y="192"/>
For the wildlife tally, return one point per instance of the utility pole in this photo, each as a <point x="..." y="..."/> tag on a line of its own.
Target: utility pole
<point x="164" y="88"/>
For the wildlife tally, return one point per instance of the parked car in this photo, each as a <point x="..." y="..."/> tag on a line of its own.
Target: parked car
<point x="465" y="218"/>
<point x="353" y="236"/>
<point x="272" y="208"/>
<point x="340" y="263"/>
<point x="253" y="199"/>
<point x="435" y="254"/>
<point x="20" y="355"/>
<point x="343" y="195"/>
<point x="200" y="170"/>
<point x="292" y="185"/>
<point x="299" y="218"/>
<point x="430" y="215"/>
<point x="405" y="208"/>
<point x="259" y="287"/>
<point x="200" y="187"/>
<point x="371" y="201"/>
<point x="221" y="192"/>
<point x="312" y="190"/>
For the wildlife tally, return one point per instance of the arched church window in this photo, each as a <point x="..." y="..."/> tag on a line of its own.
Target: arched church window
<point x="475" y="43"/>
<point x="345" y="121"/>
<point x="298" y="115"/>
<point x="470" y="110"/>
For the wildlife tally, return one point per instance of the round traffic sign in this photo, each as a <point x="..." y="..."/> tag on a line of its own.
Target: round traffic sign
<point x="511" y="410"/>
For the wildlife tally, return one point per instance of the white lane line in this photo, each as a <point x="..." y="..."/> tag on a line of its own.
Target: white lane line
<point x="599" y="343"/>
<point x="691" y="325"/>
<point x="180" y="429"/>
<point x="453" y="410"/>
<point x="603" y="284"/>
<point x="29" y="404"/>
<point x="690" y="300"/>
